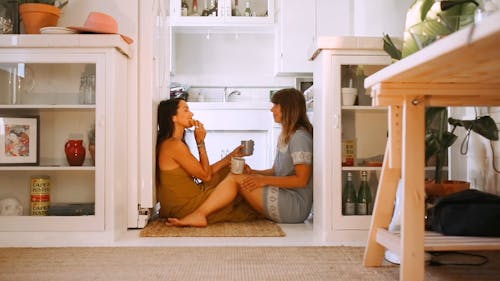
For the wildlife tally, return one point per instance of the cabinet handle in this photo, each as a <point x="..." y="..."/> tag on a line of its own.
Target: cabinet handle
<point x="101" y="122"/>
<point x="336" y="121"/>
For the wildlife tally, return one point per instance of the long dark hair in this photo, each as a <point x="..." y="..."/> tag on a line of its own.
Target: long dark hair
<point x="293" y="110"/>
<point x="166" y="110"/>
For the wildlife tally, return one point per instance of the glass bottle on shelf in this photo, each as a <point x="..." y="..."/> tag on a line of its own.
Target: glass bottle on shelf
<point x="373" y="183"/>
<point x="87" y="86"/>
<point x="212" y="10"/>
<point x="9" y="17"/>
<point x="235" y="11"/>
<point x="349" y="197"/>
<point x="194" y="10"/>
<point x="204" y="13"/>
<point x="364" y="202"/>
<point x="90" y="90"/>
<point x="184" y="8"/>
<point x="83" y="85"/>
<point x="248" y="11"/>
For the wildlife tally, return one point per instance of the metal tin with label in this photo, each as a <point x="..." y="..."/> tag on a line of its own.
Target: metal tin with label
<point x="40" y="195"/>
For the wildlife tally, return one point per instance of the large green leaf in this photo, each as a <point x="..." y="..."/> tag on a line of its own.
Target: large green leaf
<point x="427" y="31"/>
<point x="390" y="48"/>
<point x="484" y="126"/>
<point x="427" y="21"/>
<point x="424" y="9"/>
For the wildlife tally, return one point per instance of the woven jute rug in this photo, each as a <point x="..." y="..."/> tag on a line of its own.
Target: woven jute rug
<point x="257" y="228"/>
<point x="217" y="264"/>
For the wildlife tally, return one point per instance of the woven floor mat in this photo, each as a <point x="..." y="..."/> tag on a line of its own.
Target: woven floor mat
<point x="257" y="228"/>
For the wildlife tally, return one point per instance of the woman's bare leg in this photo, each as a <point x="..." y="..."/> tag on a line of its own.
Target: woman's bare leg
<point x="222" y="195"/>
<point x="255" y="199"/>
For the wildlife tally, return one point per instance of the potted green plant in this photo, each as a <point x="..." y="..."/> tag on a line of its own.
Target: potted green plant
<point x="436" y="19"/>
<point x="438" y="139"/>
<point x="36" y="14"/>
<point x="91" y="138"/>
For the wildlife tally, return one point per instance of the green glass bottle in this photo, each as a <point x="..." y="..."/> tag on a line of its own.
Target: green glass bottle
<point x="235" y="11"/>
<point x="248" y="11"/>
<point x="349" y="197"/>
<point x="364" y="202"/>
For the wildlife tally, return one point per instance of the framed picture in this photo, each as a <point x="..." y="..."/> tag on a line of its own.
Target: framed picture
<point x="19" y="140"/>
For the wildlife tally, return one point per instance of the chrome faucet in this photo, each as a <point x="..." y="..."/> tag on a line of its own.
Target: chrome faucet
<point x="228" y="95"/>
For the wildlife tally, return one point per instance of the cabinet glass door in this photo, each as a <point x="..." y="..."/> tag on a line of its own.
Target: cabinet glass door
<point x="216" y="12"/>
<point x="196" y="12"/>
<point x="48" y="137"/>
<point x="250" y="11"/>
<point x="363" y="134"/>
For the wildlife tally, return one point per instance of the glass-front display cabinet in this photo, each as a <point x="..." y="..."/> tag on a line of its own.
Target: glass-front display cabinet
<point x="57" y="121"/>
<point x="350" y="135"/>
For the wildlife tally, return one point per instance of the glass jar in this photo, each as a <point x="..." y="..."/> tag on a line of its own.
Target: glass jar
<point x="9" y="17"/>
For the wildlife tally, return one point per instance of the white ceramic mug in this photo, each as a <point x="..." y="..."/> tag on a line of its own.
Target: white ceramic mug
<point x="237" y="165"/>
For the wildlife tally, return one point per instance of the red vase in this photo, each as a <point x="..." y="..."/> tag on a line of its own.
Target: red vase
<point x="75" y="152"/>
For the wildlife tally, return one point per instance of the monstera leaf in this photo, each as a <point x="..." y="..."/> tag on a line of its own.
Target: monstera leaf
<point x="484" y="126"/>
<point x="430" y="20"/>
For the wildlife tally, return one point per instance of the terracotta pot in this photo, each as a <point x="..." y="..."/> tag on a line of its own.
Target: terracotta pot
<point x="445" y="188"/>
<point x="35" y="16"/>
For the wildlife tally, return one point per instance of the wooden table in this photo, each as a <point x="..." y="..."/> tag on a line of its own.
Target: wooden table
<point x="462" y="69"/>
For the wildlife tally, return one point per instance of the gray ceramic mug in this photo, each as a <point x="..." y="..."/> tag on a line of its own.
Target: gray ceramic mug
<point x="247" y="147"/>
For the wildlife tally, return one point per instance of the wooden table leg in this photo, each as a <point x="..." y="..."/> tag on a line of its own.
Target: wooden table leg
<point x="413" y="173"/>
<point x="386" y="193"/>
<point x="382" y="213"/>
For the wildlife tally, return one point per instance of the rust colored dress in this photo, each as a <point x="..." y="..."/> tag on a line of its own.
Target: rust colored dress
<point x="179" y="196"/>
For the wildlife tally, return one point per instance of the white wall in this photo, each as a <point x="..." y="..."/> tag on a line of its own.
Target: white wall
<point x="375" y="17"/>
<point x="226" y="59"/>
<point x="334" y="18"/>
<point x="361" y="17"/>
<point x="481" y="154"/>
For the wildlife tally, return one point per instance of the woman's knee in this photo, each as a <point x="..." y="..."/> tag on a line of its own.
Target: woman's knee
<point x="254" y="198"/>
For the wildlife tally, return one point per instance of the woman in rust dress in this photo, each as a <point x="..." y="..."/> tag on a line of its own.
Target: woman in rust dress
<point x="183" y="181"/>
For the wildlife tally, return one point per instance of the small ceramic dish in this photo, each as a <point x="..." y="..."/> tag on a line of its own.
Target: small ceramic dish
<point x="57" y="30"/>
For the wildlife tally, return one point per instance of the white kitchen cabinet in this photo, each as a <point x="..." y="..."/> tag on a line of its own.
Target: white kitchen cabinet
<point x="227" y="124"/>
<point x="49" y="69"/>
<point x="294" y="36"/>
<point x="263" y="13"/>
<point x="337" y="60"/>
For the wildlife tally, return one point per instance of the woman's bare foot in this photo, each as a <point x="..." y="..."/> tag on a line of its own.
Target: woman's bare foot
<point x="193" y="219"/>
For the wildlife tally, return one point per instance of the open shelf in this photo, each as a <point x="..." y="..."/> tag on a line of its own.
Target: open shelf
<point x="437" y="242"/>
